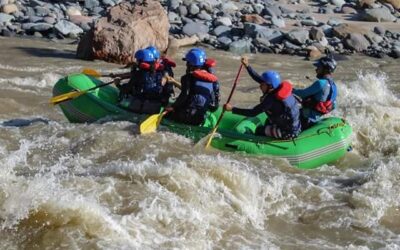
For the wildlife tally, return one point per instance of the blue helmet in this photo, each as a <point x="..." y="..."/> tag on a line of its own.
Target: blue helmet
<point x="271" y="78"/>
<point x="201" y="51"/>
<point x="195" y="57"/>
<point x="155" y="52"/>
<point x="144" y="55"/>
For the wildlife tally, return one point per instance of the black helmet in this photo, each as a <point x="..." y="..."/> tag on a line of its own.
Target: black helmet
<point x="326" y="62"/>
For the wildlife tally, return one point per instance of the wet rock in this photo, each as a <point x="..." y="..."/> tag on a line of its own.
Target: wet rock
<point x="229" y="7"/>
<point x="378" y="15"/>
<point x="42" y="11"/>
<point x="35" y="19"/>
<point x="67" y="28"/>
<point x="6" y="18"/>
<point x="344" y="29"/>
<point x="9" y="8"/>
<point x="182" y="10"/>
<point x="298" y="36"/>
<point x="308" y="22"/>
<point x="7" y="33"/>
<point x="278" y="22"/>
<point x="221" y="31"/>
<point x="290" y="45"/>
<point x="73" y="11"/>
<point x="348" y="10"/>
<point x="258" y="31"/>
<point x="224" y="41"/>
<point x="316" y="34"/>
<point x="91" y="4"/>
<point x="240" y="47"/>
<point x="273" y="11"/>
<point x="258" y="8"/>
<point x="338" y="3"/>
<point x="254" y="18"/>
<point x="174" y="18"/>
<point x="49" y="20"/>
<point x="313" y="53"/>
<point x="40" y="27"/>
<point x="108" y="2"/>
<point x="194" y="29"/>
<point x="379" y="30"/>
<point x="226" y="21"/>
<point x="194" y="9"/>
<point x="356" y="42"/>
<point x="115" y="36"/>
<point x="174" y="4"/>
<point x="334" y="22"/>
<point x="203" y="15"/>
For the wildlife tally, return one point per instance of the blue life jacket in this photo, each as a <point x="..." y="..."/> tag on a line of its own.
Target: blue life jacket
<point x="284" y="109"/>
<point x="146" y="84"/>
<point x="202" y="92"/>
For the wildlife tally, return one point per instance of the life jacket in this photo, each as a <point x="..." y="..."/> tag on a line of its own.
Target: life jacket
<point x="168" y="62"/>
<point x="202" y="90"/>
<point x="147" y="84"/>
<point x="323" y="107"/>
<point x="288" y="118"/>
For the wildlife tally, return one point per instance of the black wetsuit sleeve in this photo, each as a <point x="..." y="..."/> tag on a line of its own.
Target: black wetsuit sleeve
<point x="256" y="77"/>
<point x="249" y="112"/>
<point x="184" y="95"/>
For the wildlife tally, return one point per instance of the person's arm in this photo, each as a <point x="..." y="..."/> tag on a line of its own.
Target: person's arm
<point x="313" y="89"/>
<point x="183" y="96"/>
<point x="256" y="77"/>
<point x="249" y="112"/>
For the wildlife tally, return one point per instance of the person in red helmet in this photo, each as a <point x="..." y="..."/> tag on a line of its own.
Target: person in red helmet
<point x="277" y="102"/>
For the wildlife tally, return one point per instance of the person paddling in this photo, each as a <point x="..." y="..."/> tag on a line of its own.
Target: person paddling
<point x="198" y="94"/>
<point x="319" y="98"/>
<point x="144" y="93"/>
<point x="277" y="102"/>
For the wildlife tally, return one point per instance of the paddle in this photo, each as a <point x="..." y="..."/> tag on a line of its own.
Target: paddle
<point x="74" y="94"/>
<point x="223" y="111"/>
<point x="92" y="72"/>
<point x="151" y="124"/>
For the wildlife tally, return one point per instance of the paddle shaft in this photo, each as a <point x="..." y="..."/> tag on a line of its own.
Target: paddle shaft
<point x="223" y="111"/>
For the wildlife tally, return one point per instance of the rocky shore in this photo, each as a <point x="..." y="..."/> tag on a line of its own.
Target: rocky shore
<point x="297" y="27"/>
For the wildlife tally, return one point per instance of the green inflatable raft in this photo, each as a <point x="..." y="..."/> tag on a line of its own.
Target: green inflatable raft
<point x="325" y="142"/>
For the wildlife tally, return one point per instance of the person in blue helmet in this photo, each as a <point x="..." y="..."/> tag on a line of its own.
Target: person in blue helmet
<point x="277" y="102"/>
<point x="164" y="64"/>
<point x="198" y="92"/>
<point x="144" y="91"/>
<point x="319" y="98"/>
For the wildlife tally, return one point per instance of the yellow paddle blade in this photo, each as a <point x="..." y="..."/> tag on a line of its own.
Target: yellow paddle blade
<point x="91" y="72"/>
<point x="65" y="97"/>
<point x="150" y="124"/>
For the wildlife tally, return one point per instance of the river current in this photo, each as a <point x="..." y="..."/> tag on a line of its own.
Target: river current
<point x="103" y="186"/>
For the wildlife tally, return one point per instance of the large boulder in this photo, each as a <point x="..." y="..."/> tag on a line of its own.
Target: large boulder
<point x="356" y="42"/>
<point x="344" y="29"/>
<point x="378" y="15"/>
<point x="126" y="28"/>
